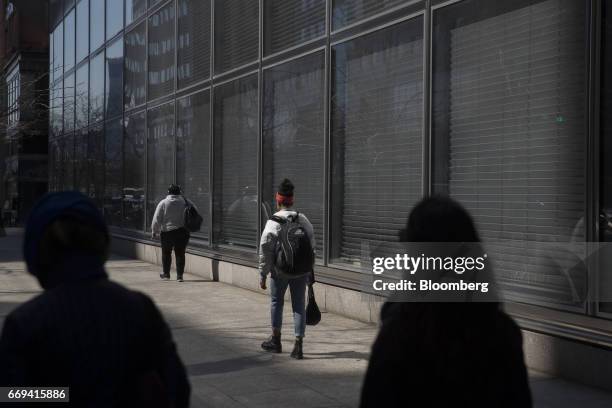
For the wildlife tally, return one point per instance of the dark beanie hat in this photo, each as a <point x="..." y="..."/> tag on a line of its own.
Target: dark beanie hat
<point x="68" y="204"/>
<point x="286" y="188"/>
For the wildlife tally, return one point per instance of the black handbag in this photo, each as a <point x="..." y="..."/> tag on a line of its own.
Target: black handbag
<point x="313" y="314"/>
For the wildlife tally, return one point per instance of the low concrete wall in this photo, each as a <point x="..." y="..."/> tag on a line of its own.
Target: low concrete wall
<point x="556" y="356"/>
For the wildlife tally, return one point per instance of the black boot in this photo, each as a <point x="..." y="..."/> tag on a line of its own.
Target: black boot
<point x="163" y="276"/>
<point x="297" y="352"/>
<point x="273" y="344"/>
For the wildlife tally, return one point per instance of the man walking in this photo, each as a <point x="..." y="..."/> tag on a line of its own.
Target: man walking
<point x="169" y="224"/>
<point x="287" y="254"/>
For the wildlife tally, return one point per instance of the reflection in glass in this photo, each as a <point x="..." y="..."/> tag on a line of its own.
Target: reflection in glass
<point x="114" y="17"/>
<point x="236" y="33"/>
<point x="346" y="12"/>
<point x="81" y="165"/>
<point x="96" y="28"/>
<point x="113" y="171"/>
<point x="96" y="88"/>
<point x="161" y="52"/>
<point x="82" y="29"/>
<point x="69" y="103"/>
<point x="134" y="171"/>
<point x="160" y="156"/>
<point x="81" y="96"/>
<point x="292" y="22"/>
<point x="57" y="109"/>
<point x="135" y="63"/>
<point x="114" y="79"/>
<point x="68" y="4"/>
<point x="67" y="162"/>
<point x="192" y="154"/>
<point x="96" y="168"/>
<point x="193" y="41"/>
<point x="293" y="136"/>
<point x="376" y="130"/>
<point x="69" y="41"/>
<point x="605" y="279"/>
<point x="508" y="125"/>
<point x="58" y="52"/>
<point x="134" y="9"/>
<point x="235" y="177"/>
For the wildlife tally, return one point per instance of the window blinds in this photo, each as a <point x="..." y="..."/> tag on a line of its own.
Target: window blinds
<point x="516" y="148"/>
<point x="377" y="137"/>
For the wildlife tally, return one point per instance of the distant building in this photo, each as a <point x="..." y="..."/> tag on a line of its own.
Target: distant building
<point x="25" y="64"/>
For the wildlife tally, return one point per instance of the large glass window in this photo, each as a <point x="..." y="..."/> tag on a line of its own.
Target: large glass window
<point x="67" y="162"/>
<point x="291" y="22"/>
<point x="346" y="12"/>
<point x="605" y="275"/>
<point x="160" y="156"/>
<point x="96" y="168"/>
<point x="58" y="52"/>
<point x="161" y="52"/>
<point x="192" y="151"/>
<point x="82" y="29"/>
<point x="96" y="88"/>
<point x="113" y="171"/>
<point x="376" y="130"/>
<point x="235" y="176"/>
<point x="96" y="36"/>
<point x="69" y="41"/>
<point x="56" y="116"/>
<point x="236" y="33"/>
<point x="114" y="79"/>
<point x="509" y="135"/>
<point x="293" y="136"/>
<point x="135" y="67"/>
<point x="134" y="171"/>
<point x="134" y="9"/>
<point x="81" y="173"/>
<point x="193" y="41"/>
<point x="69" y="103"/>
<point x="81" y="96"/>
<point x="114" y="17"/>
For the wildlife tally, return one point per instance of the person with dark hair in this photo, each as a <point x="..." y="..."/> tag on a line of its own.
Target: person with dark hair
<point x="445" y="354"/>
<point x="169" y="224"/>
<point x="270" y="250"/>
<point x="110" y="345"/>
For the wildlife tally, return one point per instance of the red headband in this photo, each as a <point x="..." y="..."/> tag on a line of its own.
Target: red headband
<point x="284" y="200"/>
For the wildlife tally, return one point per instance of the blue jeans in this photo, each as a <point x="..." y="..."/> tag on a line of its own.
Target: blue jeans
<point x="297" y="287"/>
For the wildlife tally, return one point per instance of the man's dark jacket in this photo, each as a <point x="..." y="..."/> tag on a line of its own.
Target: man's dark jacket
<point x="109" y="344"/>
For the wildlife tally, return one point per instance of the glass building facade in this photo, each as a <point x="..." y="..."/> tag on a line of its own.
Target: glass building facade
<point x="366" y="105"/>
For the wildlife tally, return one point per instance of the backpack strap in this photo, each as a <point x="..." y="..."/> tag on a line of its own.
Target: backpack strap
<point x="278" y="219"/>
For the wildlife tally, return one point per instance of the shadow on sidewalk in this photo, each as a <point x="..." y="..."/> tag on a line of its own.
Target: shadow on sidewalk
<point x="228" y="365"/>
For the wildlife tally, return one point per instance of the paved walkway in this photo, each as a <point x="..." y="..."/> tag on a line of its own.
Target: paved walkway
<point x="218" y="329"/>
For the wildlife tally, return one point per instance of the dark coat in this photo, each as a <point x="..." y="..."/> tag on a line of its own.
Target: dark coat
<point x="110" y="345"/>
<point x="446" y="355"/>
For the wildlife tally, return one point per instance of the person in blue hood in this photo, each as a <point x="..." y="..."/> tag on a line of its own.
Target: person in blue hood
<point x="109" y="344"/>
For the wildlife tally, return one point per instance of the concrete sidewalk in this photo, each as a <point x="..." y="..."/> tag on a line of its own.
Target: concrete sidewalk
<point x="218" y="329"/>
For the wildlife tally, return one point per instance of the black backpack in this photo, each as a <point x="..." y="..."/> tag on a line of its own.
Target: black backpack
<point x="193" y="220"/>
<point x="294" y="254"/>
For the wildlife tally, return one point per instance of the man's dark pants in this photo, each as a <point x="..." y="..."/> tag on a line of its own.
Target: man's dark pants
<point x="176" y="239"/>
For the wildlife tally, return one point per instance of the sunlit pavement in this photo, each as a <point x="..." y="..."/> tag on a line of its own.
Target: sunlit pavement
<point x="218" y="329"/>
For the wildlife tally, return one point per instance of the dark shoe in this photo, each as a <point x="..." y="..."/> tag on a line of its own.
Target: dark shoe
<point x="297" y="352"/>
<point x="164" y="276"/>
<point x="273" y="345"/>
<point x="179" y="279"/>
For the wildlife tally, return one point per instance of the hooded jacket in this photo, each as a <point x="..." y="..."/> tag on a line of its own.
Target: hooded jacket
<point x="109" y="344"/>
